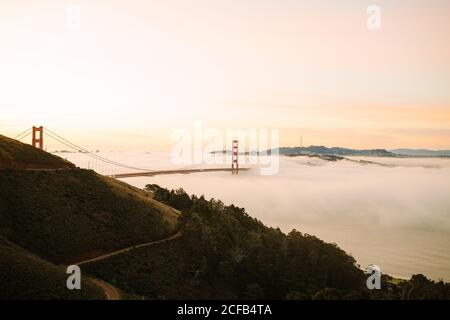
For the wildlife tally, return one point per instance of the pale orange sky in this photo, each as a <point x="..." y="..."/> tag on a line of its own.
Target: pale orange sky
<point x="137" y="70"/>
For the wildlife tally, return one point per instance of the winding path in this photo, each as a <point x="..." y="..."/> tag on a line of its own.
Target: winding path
<point x="110" y="291"/>
<point x="114" y="253"/>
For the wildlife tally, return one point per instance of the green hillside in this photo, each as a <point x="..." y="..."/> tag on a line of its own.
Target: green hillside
<point x="226" y="254"/>
<point x="26" y="276"/>
<point x="69" y="215"/>
<point x="50" y="217"/>
<point x="14" y="154"/>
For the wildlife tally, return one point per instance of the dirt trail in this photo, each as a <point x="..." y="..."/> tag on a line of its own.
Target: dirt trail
<point x="111" y="292"/>
<point x="114" y="253"/>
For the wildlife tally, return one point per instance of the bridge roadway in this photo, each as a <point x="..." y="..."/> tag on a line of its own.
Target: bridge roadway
<point x="181" y="171"/>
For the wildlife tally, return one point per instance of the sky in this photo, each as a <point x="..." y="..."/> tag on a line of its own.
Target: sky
<point x="126" y="74"/>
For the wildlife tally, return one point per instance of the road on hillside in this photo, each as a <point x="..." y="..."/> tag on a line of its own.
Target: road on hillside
<point x="110" y="292"/>
<point x="114" y="253"/>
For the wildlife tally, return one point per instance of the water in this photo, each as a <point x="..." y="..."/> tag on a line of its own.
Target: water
<point x="395" y="215"/>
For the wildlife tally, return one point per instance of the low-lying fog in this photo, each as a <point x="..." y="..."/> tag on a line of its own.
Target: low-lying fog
<point x="395" y="213"/>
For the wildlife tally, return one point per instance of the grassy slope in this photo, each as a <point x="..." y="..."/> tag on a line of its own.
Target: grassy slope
<point x="49" y="217"/>
<point x="160" y="272"/>
<point x="169" y="214"/>
<point x="70" y="214"/>
<point x="25" y="276"/>
<point x="14" y="154"/>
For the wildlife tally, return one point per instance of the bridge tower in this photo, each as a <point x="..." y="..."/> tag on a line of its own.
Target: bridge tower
<point x="38" y="142"/>
<point x="234" y="163"/>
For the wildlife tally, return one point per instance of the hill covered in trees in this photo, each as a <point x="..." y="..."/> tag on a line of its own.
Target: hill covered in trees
<point x="226" y="254"/>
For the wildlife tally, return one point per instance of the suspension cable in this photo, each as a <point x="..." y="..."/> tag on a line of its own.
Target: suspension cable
<point x="98" y="157"/>
<point x="24" y="134"/>
<point x="92" y="155"/>
<point x="23" y="137"/>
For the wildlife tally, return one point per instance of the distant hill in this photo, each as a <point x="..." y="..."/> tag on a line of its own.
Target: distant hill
<point x="334" y="151"/>
<point x="422" y="152"/>
<point x="320" y="150"/>
<point x="338" y="151"/>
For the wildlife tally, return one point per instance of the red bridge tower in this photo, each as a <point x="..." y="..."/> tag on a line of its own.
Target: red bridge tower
<point x="38" y="142"/>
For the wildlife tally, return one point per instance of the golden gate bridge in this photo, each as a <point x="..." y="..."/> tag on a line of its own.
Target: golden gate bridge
<point x="86" y="159"/>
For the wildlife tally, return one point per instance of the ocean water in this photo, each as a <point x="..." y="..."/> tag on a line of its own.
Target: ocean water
<point x="392" y="212"/>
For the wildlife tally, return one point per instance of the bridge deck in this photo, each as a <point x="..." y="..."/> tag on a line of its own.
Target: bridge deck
<point x="185" y="171"/>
